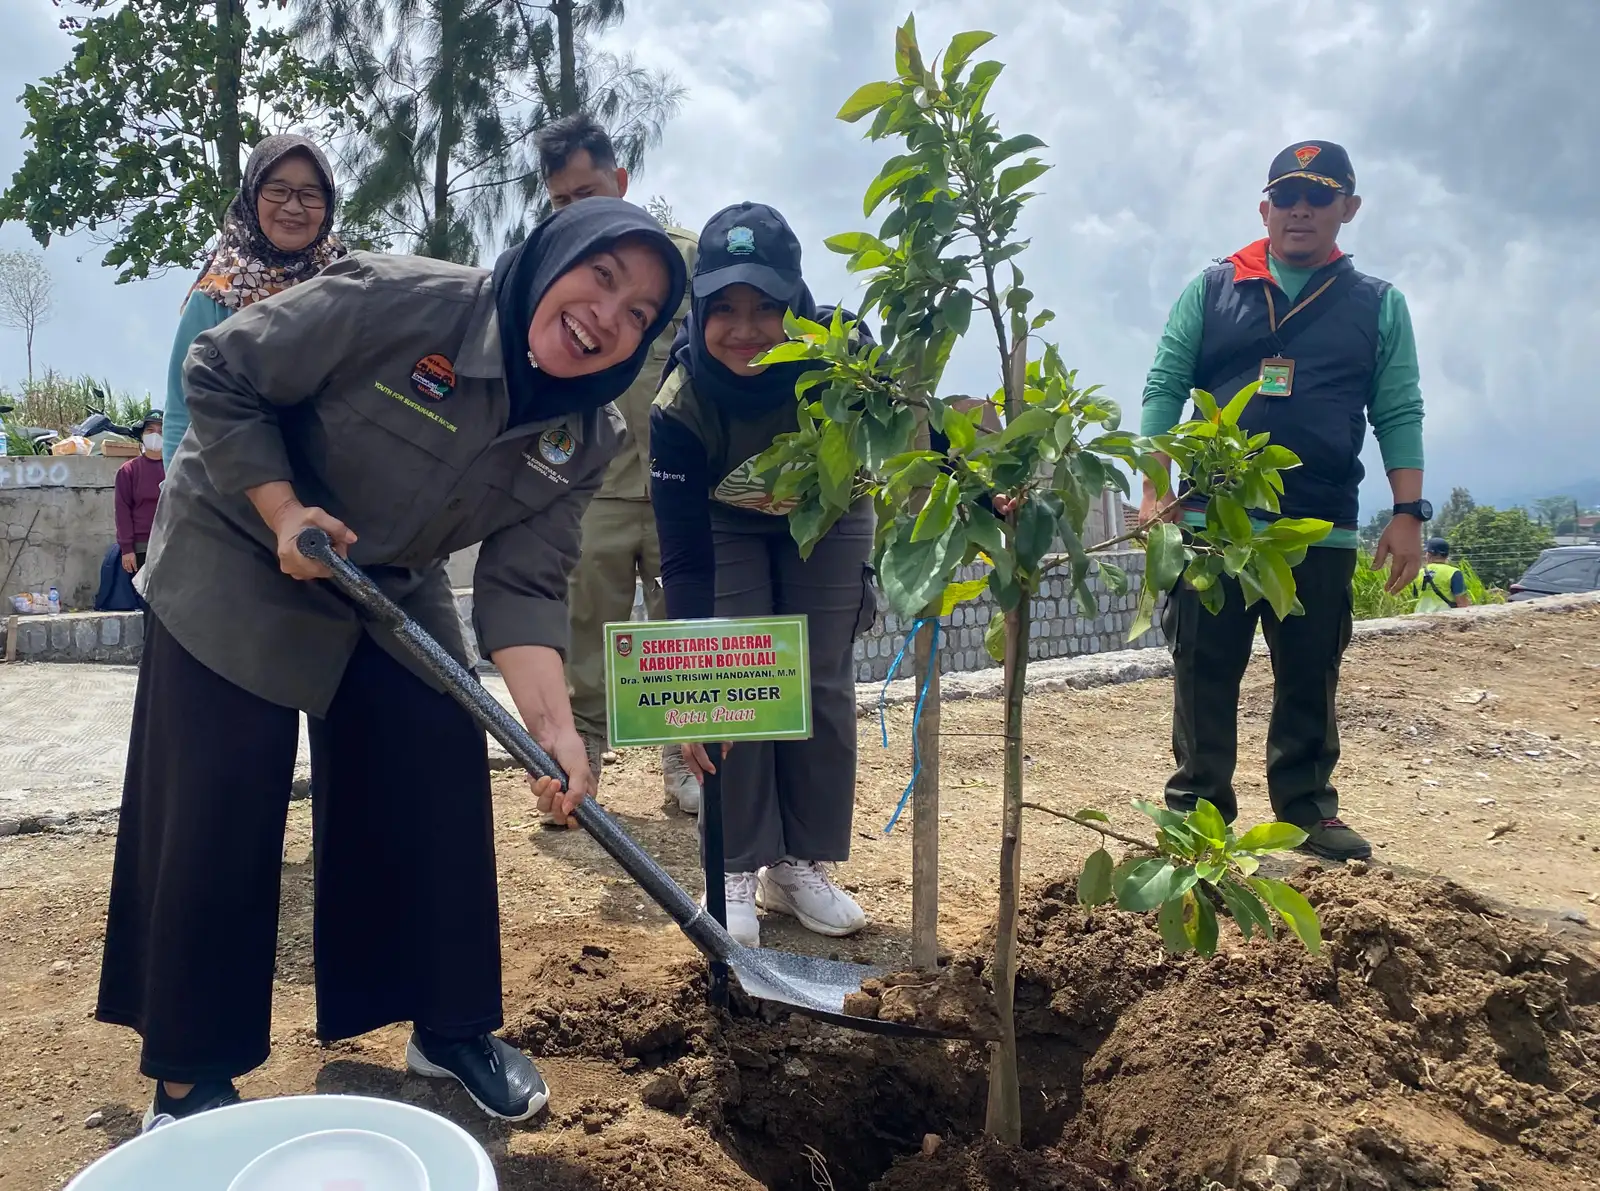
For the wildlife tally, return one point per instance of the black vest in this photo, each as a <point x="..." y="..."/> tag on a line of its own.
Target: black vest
<point x="1324" y="421"/>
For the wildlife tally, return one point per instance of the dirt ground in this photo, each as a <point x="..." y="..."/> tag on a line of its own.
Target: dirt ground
<point x="1448" y="1037"/>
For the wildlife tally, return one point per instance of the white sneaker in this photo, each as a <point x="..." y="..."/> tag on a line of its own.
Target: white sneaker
<point x="804" y="890"/>
<point x="740" y="892"/>
<point x="678" y="781"/>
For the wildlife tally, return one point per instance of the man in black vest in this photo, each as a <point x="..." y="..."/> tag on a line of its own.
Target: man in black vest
<point x="1333" y="349"/>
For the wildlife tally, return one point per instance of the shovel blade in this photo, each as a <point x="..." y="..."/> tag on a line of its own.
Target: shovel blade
<point x="815" y="987"/>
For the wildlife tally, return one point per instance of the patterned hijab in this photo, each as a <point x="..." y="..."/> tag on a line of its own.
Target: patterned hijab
<point x="246" y="266"/>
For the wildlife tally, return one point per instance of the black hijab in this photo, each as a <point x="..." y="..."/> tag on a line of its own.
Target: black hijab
<point x="752" y="244"/>
<point x="525" y="273"/>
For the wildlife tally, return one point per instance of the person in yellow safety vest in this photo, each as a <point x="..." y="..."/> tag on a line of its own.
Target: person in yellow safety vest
<point x="1441" y="586"/>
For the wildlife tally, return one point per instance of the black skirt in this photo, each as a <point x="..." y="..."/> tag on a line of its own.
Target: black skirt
<point x="407" y="911"/>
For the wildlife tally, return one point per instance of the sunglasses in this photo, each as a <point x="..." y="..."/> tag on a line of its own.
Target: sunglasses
<point x="312" y="198"/>
<point x="1285" y="197"/>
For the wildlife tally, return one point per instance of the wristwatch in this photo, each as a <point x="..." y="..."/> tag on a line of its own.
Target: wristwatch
<point x="1420" y="509"/>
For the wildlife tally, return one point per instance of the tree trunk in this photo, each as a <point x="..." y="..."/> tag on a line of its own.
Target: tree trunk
<point x="925" y="807"/>
<point x="449" y="50"/>
<point x="1004" y="1118"/>
<point x="232" y="29"/>
<point x="566" y="40"/>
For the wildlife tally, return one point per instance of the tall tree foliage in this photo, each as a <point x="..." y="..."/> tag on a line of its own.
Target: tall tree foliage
<point x="138" y="139"/>
<point x="26" y="296"/>
<point x="452" y="91"/>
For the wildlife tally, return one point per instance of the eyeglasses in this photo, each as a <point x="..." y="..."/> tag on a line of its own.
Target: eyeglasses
<point x="1285" y="197"/>
<point x="312" y="198"/>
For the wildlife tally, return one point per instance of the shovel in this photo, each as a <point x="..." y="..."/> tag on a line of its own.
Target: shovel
<point x="809" y="985"/>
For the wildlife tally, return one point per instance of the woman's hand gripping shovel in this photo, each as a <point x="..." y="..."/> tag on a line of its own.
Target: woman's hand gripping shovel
<point x="813" y="986"/>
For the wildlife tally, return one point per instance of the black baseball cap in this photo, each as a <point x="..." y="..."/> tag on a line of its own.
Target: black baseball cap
<point x="1322" y="162"/>
<point x="1439" y="546"/>
<point x="153" y="418"/>
<point x="749" y="243"/>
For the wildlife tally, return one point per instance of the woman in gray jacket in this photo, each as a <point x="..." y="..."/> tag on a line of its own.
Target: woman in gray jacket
<point x="410" y="408"/>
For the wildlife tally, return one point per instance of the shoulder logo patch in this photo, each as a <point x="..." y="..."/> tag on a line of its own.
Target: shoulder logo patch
<point x="434" y="377"/>
<point x="556" y="446"/>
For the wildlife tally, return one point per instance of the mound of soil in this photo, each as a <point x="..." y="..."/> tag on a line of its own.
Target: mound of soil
<point x="1434" y="1044"/>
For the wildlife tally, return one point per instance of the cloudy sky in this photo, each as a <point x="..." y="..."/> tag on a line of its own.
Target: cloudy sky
<point x="1470" y="123"/>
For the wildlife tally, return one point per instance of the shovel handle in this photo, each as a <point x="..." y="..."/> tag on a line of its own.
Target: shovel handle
<point x="378" y="608"/>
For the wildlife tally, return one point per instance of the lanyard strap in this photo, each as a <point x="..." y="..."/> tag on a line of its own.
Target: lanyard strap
<point x="1272" y="308"/>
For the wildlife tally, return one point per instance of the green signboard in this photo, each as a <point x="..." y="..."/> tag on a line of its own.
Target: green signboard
<point x="675" y="681"/>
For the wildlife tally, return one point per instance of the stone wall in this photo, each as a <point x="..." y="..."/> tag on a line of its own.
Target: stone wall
<point x="1059" y="628"/>
<point x="112" y="637"/>
<point x="56" y="522"/>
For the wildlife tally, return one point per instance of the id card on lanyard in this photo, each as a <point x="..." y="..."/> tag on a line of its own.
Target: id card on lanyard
<point x="1276" y="377"/>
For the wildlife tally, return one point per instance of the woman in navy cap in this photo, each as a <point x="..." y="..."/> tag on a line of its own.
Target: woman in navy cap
<point x="726" y="551"/>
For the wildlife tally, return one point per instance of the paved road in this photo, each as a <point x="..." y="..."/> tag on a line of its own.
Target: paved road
<point x="64" y="739"/>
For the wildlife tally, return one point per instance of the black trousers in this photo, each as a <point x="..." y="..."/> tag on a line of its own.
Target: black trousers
<point x="406" y="915"/>
<point x="796" y="797"/>
<point x="1210" y="654"/>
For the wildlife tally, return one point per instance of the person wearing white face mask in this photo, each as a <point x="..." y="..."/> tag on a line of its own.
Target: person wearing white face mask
<point x="138" y="489"/>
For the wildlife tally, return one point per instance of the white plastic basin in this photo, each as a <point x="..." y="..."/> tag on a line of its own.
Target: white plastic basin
<point x="208" y="1151"/>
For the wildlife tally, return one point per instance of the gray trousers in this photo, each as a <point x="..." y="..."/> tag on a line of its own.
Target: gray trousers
<point x="796" y="797"/>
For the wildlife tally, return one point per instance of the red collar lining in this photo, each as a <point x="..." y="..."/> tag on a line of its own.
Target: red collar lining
<point x="1250" y="262"/>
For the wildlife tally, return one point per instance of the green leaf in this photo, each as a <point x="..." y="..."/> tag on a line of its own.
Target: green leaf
<point x="1205" y="403"/>
<point x="868" y="98"/>
<point x="1201" y="928"/>
<point x="915" y="573"/>
<point x="1277" y="582"/>
<point x="1145" y="614"/>
<point x="884" y="184"/>
<point x="1276" y="457"/>
<point x="1301" y="530"/>
<point x="1235" y="407"/>
<point x="1208" y="821"/>
<point x="836" y="465"/>
<point x="938" y="511"/>
<point x="960" y="593"/>
<point x="1014" y="145"/>
<point x="907" y="57"/>
<point x="1245" y="908"/>
<point x="962" y="47"/>
<point x="1270" y="837"/>
<point x="850" y="243"/>
<point x="1115" y="578"/>
<point x="1159" y="815"/>
<point x="994" y="637"/>
<point x="1145" y="884"/>
<point x="1094" y="815"/>
<point x="1036" y="530"/>
<point x="1094" y="883"/>
<point x="1235" y="521"/>
<point x="1016" y="177"/>
<point x="1174" y="936"/>
<point x="1293" y="907"/>
<point x="785" y="353"/>
<point x="1164" y="557"/>
<point x="960" y="431"/>
<point x="984" y="528"/>
<point x="957" y="311"/>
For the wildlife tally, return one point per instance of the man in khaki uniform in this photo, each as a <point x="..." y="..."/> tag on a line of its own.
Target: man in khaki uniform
<point x="620" y="549"/>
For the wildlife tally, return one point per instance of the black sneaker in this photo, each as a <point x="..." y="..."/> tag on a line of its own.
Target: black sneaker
<point x="500" y="1079"/>
<point x="1333" y="839"/>
<point x="208" y="1094"/>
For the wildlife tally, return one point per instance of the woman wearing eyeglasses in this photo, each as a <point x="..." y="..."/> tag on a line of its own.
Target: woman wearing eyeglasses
<point x="278" y="232"/>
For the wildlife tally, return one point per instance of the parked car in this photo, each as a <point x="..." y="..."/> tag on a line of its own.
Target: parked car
<point x="1561" y="571"/>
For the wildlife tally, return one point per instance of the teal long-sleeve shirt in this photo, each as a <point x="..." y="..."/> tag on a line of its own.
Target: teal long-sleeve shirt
<point x="1395" y="409"/>
<point x="200" y="313"/>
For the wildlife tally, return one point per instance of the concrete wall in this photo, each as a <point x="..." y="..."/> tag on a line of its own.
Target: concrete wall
<point x="1059" y="627"/>
<point x="56" y="522"/>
